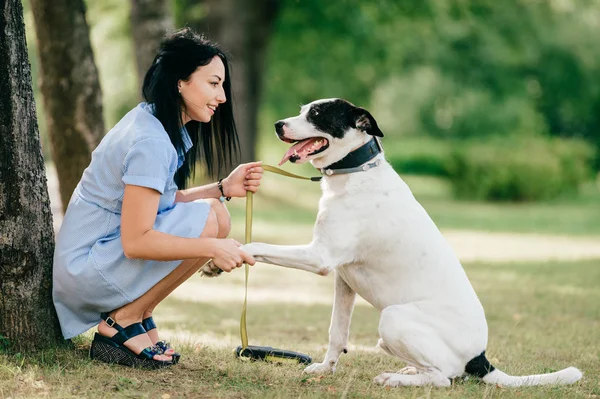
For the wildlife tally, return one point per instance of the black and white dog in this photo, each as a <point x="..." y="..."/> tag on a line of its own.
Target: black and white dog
<point x="380" y="243"/>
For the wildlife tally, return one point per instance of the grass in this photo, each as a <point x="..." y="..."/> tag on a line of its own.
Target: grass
<point x="542" y="317"/>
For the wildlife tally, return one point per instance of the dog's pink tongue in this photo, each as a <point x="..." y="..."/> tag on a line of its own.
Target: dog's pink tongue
<point x="293" y="150"/>
<point x="285" y="158"/>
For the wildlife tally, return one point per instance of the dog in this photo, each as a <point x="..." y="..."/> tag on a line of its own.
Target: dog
<point x="382" y="245"/>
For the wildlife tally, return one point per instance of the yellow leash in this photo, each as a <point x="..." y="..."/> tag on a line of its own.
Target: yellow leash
<point x="248" y="239"/>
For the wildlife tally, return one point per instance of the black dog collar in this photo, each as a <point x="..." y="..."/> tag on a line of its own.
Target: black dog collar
<point x="356" y="161"/>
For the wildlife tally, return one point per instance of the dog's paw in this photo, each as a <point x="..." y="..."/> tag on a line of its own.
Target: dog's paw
<point x="387" y="379"/>
<point x="250" y="249"/>
<point x="210" y="270"/>
<point x="320" y="368"/>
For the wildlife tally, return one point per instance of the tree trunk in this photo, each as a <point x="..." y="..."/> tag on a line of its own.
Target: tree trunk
<point x="150" y="20"/>
<point x="243" y="29"/>
<point x="70" y="88"/>
<point x="27" y="317"/>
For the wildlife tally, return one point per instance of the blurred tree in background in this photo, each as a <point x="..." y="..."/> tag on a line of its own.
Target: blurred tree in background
<point x="150" y="20"/>
<point x="70" y="88"/>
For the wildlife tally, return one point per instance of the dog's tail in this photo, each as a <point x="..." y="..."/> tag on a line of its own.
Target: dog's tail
<point x="480" y="367"/>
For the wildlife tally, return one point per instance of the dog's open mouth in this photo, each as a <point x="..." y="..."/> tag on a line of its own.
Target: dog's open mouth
<point x="301" y="150"/>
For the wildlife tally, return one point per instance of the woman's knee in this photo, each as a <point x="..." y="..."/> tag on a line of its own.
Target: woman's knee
<point x="223" y="217"/>
<point x="211" y="227"/>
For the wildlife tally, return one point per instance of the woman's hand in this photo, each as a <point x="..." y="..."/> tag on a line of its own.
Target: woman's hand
<point x="227" y="255"/>
<point x="245" y="177"/>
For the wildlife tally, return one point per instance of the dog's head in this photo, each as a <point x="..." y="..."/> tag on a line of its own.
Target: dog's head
<point x="326" y="131"/>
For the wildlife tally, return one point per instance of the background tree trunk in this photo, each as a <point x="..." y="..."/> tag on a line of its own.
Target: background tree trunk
<point x="150" y="20"/>
<point x="243" y="29"/>
<point x="27" y="317"/>
<point x="70" y="87"/>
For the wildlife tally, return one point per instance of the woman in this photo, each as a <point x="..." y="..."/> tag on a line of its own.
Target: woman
<point x="132" y="233"/>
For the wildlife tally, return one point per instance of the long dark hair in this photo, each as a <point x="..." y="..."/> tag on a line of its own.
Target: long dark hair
<point x="216" y="142"/>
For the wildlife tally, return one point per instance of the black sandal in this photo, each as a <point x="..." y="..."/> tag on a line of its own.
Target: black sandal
<point x="148" y="325"/>
<point x="111" y="349"/>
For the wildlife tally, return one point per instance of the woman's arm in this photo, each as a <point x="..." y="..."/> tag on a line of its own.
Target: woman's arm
<point x="192" y="194"/>
<point x="141" y="241"/>
<point x="245" y="177"/>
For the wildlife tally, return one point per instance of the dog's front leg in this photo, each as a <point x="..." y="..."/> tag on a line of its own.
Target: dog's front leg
<point x="312" y="257"/>
<point x="343" y="304"/>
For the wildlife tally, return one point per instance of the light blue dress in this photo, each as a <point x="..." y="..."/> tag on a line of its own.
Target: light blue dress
<point x="91" y="273"/>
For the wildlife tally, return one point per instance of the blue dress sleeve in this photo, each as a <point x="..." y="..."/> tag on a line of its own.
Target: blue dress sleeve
<point x="151" y="163"/>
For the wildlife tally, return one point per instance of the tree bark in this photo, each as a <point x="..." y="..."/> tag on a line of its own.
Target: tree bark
<point x="243" y="29"/>
<point x="150" y="20"/>
<point x="27" y="317"/>
<point x="70" y="88"/>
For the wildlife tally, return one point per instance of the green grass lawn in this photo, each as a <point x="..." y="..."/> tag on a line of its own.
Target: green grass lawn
<point x="542" y="317"/>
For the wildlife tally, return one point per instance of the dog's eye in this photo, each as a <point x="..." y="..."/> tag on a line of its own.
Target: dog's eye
<point x="314" y="112"/>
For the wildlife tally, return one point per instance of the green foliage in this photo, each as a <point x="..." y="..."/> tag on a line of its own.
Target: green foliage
<point x="519" y="168"/>
<point x="418" y="155"/>
<point x="188" y="12"/>
<point x="456" y="68"/>
<point x="322" y="49"/>
<point x="421" y="164"/>
<point x="114" y="57"/>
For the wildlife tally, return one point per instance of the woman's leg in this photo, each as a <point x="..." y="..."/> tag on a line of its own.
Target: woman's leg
<point x="133" y="312"/>
<point x="224" y="227"/>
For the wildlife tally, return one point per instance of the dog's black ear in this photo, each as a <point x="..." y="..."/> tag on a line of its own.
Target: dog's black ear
<point x="364" y="121"/>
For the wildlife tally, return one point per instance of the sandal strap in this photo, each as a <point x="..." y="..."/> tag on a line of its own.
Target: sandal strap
<point x="150" y="352"/>
<point x="111" y="322"/>
<point x="124" y="333"/>
<point x="148" y="324"/>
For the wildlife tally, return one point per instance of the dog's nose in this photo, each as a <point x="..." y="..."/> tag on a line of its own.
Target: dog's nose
<point x="279" y="127"/>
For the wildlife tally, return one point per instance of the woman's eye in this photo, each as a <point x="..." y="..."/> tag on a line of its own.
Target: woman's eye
<point x="214" y="84"/>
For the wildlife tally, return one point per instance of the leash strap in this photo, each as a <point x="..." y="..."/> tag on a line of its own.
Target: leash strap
<point x="282" y="172"/>
<point x="248" y="239"/>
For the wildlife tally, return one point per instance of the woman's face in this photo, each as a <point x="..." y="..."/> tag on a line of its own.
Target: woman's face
<point x="203" y="92"/>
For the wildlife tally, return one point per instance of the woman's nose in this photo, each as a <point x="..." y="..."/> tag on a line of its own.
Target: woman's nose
<point x="221" y="97"/>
